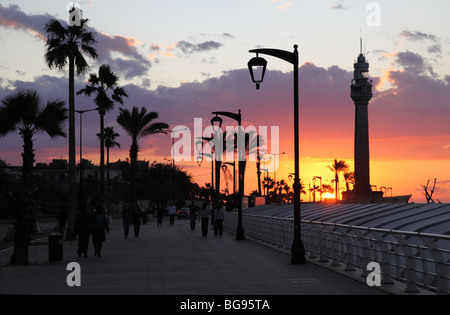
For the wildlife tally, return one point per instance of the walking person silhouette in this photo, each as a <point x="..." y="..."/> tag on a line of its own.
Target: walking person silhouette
<point x="204" y="215"/>
<point x="137" y="215"/>
<point x="126" y="220"/>
<point x="82" y="228"/>
<point x="100" y="225"/>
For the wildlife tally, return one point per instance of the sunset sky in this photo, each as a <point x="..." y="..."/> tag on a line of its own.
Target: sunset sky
<point x="186" y="59"/>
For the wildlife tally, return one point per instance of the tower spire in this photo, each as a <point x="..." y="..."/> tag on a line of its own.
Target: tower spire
<point x="360" y="42"/>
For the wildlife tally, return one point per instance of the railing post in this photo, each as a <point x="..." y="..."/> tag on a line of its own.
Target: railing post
<point x="349" y="256"/>
<point x="411" y="273"/>
<point x="322" y="241"/>
<point x="442" y="281"/>
<point x="365" y="250"/>
<point x="311" y="242"/>
<point x="333" y="237"/>
<point x="385" y="258"/>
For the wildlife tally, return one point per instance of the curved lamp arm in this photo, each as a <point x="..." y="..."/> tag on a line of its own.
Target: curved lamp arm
<point x="291" y="57"/>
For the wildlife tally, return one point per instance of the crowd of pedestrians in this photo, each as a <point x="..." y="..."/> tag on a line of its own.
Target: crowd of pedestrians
<point x="97" y="225"/>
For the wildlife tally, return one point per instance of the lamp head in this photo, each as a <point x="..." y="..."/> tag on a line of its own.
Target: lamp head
<point x="257" y="68"/>
<point x="199" y="145"/>
<point x="216" y="121"/>
<point x="199" y="160"/>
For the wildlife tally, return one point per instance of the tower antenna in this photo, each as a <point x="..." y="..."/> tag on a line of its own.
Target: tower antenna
<point x="360" y="40"/>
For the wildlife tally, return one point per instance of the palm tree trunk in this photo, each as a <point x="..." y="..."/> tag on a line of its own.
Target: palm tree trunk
<point x="27" y="156"/>
<point x="217" y="192"/>
<point x="24" y="216"/>
<point x="72" y="181"/>
<point x="258" y="172"/>
<point x="133" y="161"/>
<point x="336" y="182"/>
<point x="22" y="236"/>
<point x="107" y="178"/>
<point x="102" y="153"/>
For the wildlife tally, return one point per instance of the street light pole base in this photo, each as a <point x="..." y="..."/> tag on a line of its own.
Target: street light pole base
<point x="298" y="253"/>
<point x="240" y="233"/>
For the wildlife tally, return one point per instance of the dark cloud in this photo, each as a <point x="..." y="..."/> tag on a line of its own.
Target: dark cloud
<point x="190" y="48"/>
<point x="415" y="105"/>
<point x="413" y="62"/>
<point x="128" y="68"/>
<point x="107" y="46"/>
<point x="13" y="17"/>
<point x="337" y="7"/>
<point x="413" y="108"/>
<point x="155" y="48"/>
<point x="435" y="48"/>
<point x="135" y="64"/>
<point x="417" y="36"/>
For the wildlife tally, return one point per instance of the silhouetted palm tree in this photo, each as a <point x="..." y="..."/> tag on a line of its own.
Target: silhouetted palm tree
<point x="110" y="142"/>
<point x="314" y="188"/>
<point x="337" y="167"/>
<point x="327" y="189"/>
<point x="21" y="112"/>
<point x="267" y="184"/>
<point x="253" y="142"/>
<point x="106" y="92"/>
<point x="138" y="124"/>
<point x="64" y="45"/>
<point x="349" y="178"/>
<point x="109" y="136"/>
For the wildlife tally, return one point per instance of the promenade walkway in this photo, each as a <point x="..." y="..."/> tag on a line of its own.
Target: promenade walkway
<point x="173" y="260"/>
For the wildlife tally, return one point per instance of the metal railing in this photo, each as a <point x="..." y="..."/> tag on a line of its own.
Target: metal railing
<point x="420" y="260"/>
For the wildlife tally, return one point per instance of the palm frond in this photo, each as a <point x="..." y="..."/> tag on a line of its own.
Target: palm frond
<point x="51" y="119"/>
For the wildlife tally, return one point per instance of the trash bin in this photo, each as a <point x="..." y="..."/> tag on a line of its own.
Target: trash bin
<point x="55" y="247"/>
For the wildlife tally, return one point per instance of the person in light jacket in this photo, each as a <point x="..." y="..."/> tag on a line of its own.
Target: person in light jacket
<point x="172" y="212"/>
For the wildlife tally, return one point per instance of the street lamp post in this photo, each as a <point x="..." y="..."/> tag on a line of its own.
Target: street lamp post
<point x="274" y="164"/>
<point x="199" y="145"/>
<point x="81" y="112"/>
<point x="388" y="188"/>
<point x="173" y="163"/>
<point x="297" y="249"/>
<point x="240" y="235"/>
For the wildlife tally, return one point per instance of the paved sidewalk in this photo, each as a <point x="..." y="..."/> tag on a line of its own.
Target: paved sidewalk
<point x="173" y="260"/>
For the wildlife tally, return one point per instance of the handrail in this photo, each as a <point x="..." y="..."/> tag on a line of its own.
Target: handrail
<point x="419" y="259"/>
